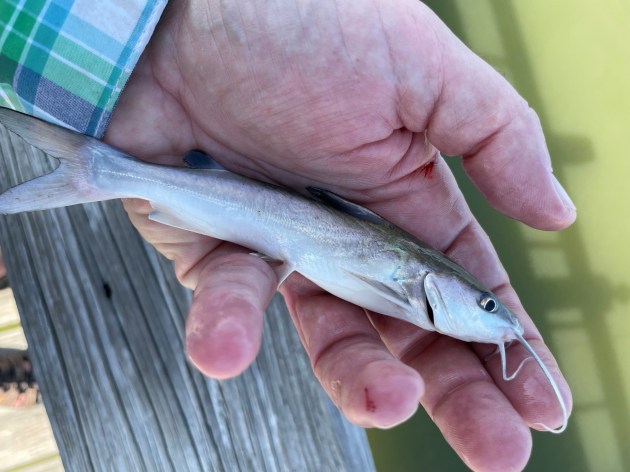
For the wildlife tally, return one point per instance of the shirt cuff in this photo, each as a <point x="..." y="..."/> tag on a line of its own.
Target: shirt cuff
<point x="67" y="61"/>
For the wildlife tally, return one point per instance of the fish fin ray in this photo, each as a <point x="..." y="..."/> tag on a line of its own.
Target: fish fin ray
<point x="201" y="160"/>
<point x="54" y="140"/>
<point x="391" y="295"/>
<point x="52" y="190"/>
<point x="281" y="268"/>
<point x="341" y="204"/>
<point x="165" y="216"/>
<point x="71" y="183"/>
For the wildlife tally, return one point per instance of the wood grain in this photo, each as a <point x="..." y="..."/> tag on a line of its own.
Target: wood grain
<point x="11" y="335"/>
<point x="26" y="440"/>
<point x="104" y="319"/>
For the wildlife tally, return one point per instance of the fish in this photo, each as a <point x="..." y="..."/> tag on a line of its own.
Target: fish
<point x="344" y="248"/>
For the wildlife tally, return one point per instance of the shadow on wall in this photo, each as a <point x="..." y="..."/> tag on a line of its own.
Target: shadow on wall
<point x="568" y="299"/>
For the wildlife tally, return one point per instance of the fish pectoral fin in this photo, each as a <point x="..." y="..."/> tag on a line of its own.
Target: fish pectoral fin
<point x="167" y="217"/>
<point x="281" y="268"/>
<point x="397" y="298"/>
<point x="341" y="204"/>
<point x="201" y="160"/>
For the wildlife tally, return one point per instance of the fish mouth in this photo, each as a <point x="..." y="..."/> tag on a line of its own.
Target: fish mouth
<point x="433" y="298"/>
<point x="430" y="313"/>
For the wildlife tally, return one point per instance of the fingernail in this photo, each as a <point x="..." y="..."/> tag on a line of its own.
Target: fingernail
<point x="563" y="195"/>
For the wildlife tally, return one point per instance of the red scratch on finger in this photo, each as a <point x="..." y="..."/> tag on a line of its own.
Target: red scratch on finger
<point x="427" y="169"/>
<point x="369" y="403"/>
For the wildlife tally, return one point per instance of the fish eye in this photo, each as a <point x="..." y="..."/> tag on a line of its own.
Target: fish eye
<point x="488" y="303"/>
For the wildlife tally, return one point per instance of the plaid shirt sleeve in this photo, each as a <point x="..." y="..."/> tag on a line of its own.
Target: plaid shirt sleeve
<point x="67" y="61"/>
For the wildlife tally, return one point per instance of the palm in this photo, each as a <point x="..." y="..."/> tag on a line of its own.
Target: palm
<point x="308" y="101"/>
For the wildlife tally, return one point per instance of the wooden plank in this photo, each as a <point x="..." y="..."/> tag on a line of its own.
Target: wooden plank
<point x="8" y="310"/>
<point x="11" y="335"/>
<point x="104" y="318"/>
<point x="26" y="439"/>
<point x="51" y="463"/>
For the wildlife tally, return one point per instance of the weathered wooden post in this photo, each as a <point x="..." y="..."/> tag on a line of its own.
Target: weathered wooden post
<point x="104" y="318"/>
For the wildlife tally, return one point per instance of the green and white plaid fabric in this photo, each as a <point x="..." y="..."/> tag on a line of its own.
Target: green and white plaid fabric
<point x="67" y="61"/>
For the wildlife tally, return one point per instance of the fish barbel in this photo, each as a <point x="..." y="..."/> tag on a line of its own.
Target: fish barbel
<point x="346" y="249"/>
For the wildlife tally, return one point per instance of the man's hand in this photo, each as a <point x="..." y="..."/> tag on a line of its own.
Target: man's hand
<point x="356" y="97"/>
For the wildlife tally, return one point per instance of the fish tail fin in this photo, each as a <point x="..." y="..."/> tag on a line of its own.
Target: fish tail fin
<point x="67" y="185"/>
<point x="71" y="183"/>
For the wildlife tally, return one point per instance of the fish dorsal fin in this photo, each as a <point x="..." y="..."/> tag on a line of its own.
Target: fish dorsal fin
<point x="201" y="160"/>
<point x="341" y="204"/>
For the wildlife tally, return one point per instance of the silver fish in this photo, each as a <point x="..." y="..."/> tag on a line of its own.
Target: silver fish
<point x="344" y="248"/>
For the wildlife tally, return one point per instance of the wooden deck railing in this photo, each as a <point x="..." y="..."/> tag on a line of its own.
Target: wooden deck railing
<point x="104" y="318"/>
